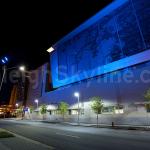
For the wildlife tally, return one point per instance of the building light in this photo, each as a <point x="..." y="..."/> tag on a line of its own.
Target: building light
<point x="74" y="112"/>
<point x="50" y="49"/>
<point x="51" y="107"/>
<point x="119" y="111"/>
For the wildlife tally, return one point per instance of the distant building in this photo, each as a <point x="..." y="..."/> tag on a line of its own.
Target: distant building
<point x="14" y="96"/>
<point x="107" y="56"/>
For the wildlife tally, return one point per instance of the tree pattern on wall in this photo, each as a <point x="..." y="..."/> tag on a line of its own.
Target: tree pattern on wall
<point x="122" y="33"/>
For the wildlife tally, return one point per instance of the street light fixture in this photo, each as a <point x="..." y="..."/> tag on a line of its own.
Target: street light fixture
<point x="22" y="68"/>
<point x="76" y="94"/>
<point x="37" y="103"/>
<point x="17" y="105"/>
<point x="4" y="61"/>
<point x="50" y="49"/>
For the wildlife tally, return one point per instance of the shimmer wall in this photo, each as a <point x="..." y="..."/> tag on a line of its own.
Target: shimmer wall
<point x="118" y="32"/>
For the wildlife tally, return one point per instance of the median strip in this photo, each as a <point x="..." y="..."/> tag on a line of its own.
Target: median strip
<point x="5" y="134"/>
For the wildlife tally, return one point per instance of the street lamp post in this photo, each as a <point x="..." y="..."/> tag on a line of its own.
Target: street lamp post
<point x="4" y="61"/>
<point x="76" y="94"/>
<point x="4" y="72"/>
<point x="37" y="103"/>
<point x="17" y="105"/>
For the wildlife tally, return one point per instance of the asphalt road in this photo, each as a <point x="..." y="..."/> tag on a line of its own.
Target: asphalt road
<point x="79" y="138"/>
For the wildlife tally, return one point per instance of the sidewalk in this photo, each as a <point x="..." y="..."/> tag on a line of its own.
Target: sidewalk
<point x="21" y="143"/>
<point x="124" y="127"/>
<point x="127" y="127"/>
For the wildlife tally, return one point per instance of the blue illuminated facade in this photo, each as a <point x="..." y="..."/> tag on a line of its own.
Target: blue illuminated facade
<point x="109" y="41"/>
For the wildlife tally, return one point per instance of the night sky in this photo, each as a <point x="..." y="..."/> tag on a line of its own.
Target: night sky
<point x="27" y="30"/>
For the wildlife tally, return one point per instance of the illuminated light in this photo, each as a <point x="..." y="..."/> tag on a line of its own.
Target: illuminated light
<point x="3" y="61"/>
<point x="51" y="107"/>
<point x="17" y="105"/>
<point x="50" y="49"/>
<point x="36" y="100"/>
<point x="6" y="58"/>
<point x="119" y="111"/>
<point x="76" y="94"/>
<point x="74" y="112"/>
<point x="22" y="68"/>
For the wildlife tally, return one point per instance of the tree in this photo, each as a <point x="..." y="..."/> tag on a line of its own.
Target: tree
<point x="97" y="106"/>
<point x="43" y="110"/>
<point x="147" y="98"/>
<point x="31" y="109"/>
<point x="63" y="108"/>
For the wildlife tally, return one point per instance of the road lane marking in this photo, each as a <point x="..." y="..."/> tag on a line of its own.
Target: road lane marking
<point x="30" y="140"/>
<point x="73" y="136"/>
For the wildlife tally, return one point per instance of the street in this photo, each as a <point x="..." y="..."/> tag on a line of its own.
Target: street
<point x="65" y="137"/>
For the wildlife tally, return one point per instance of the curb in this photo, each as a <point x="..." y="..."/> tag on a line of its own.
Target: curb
<point x="146" y="128"/>
<point x="116" y="127"/>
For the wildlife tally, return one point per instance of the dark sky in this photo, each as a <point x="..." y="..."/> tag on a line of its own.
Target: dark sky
<point x="28" y="29"/>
